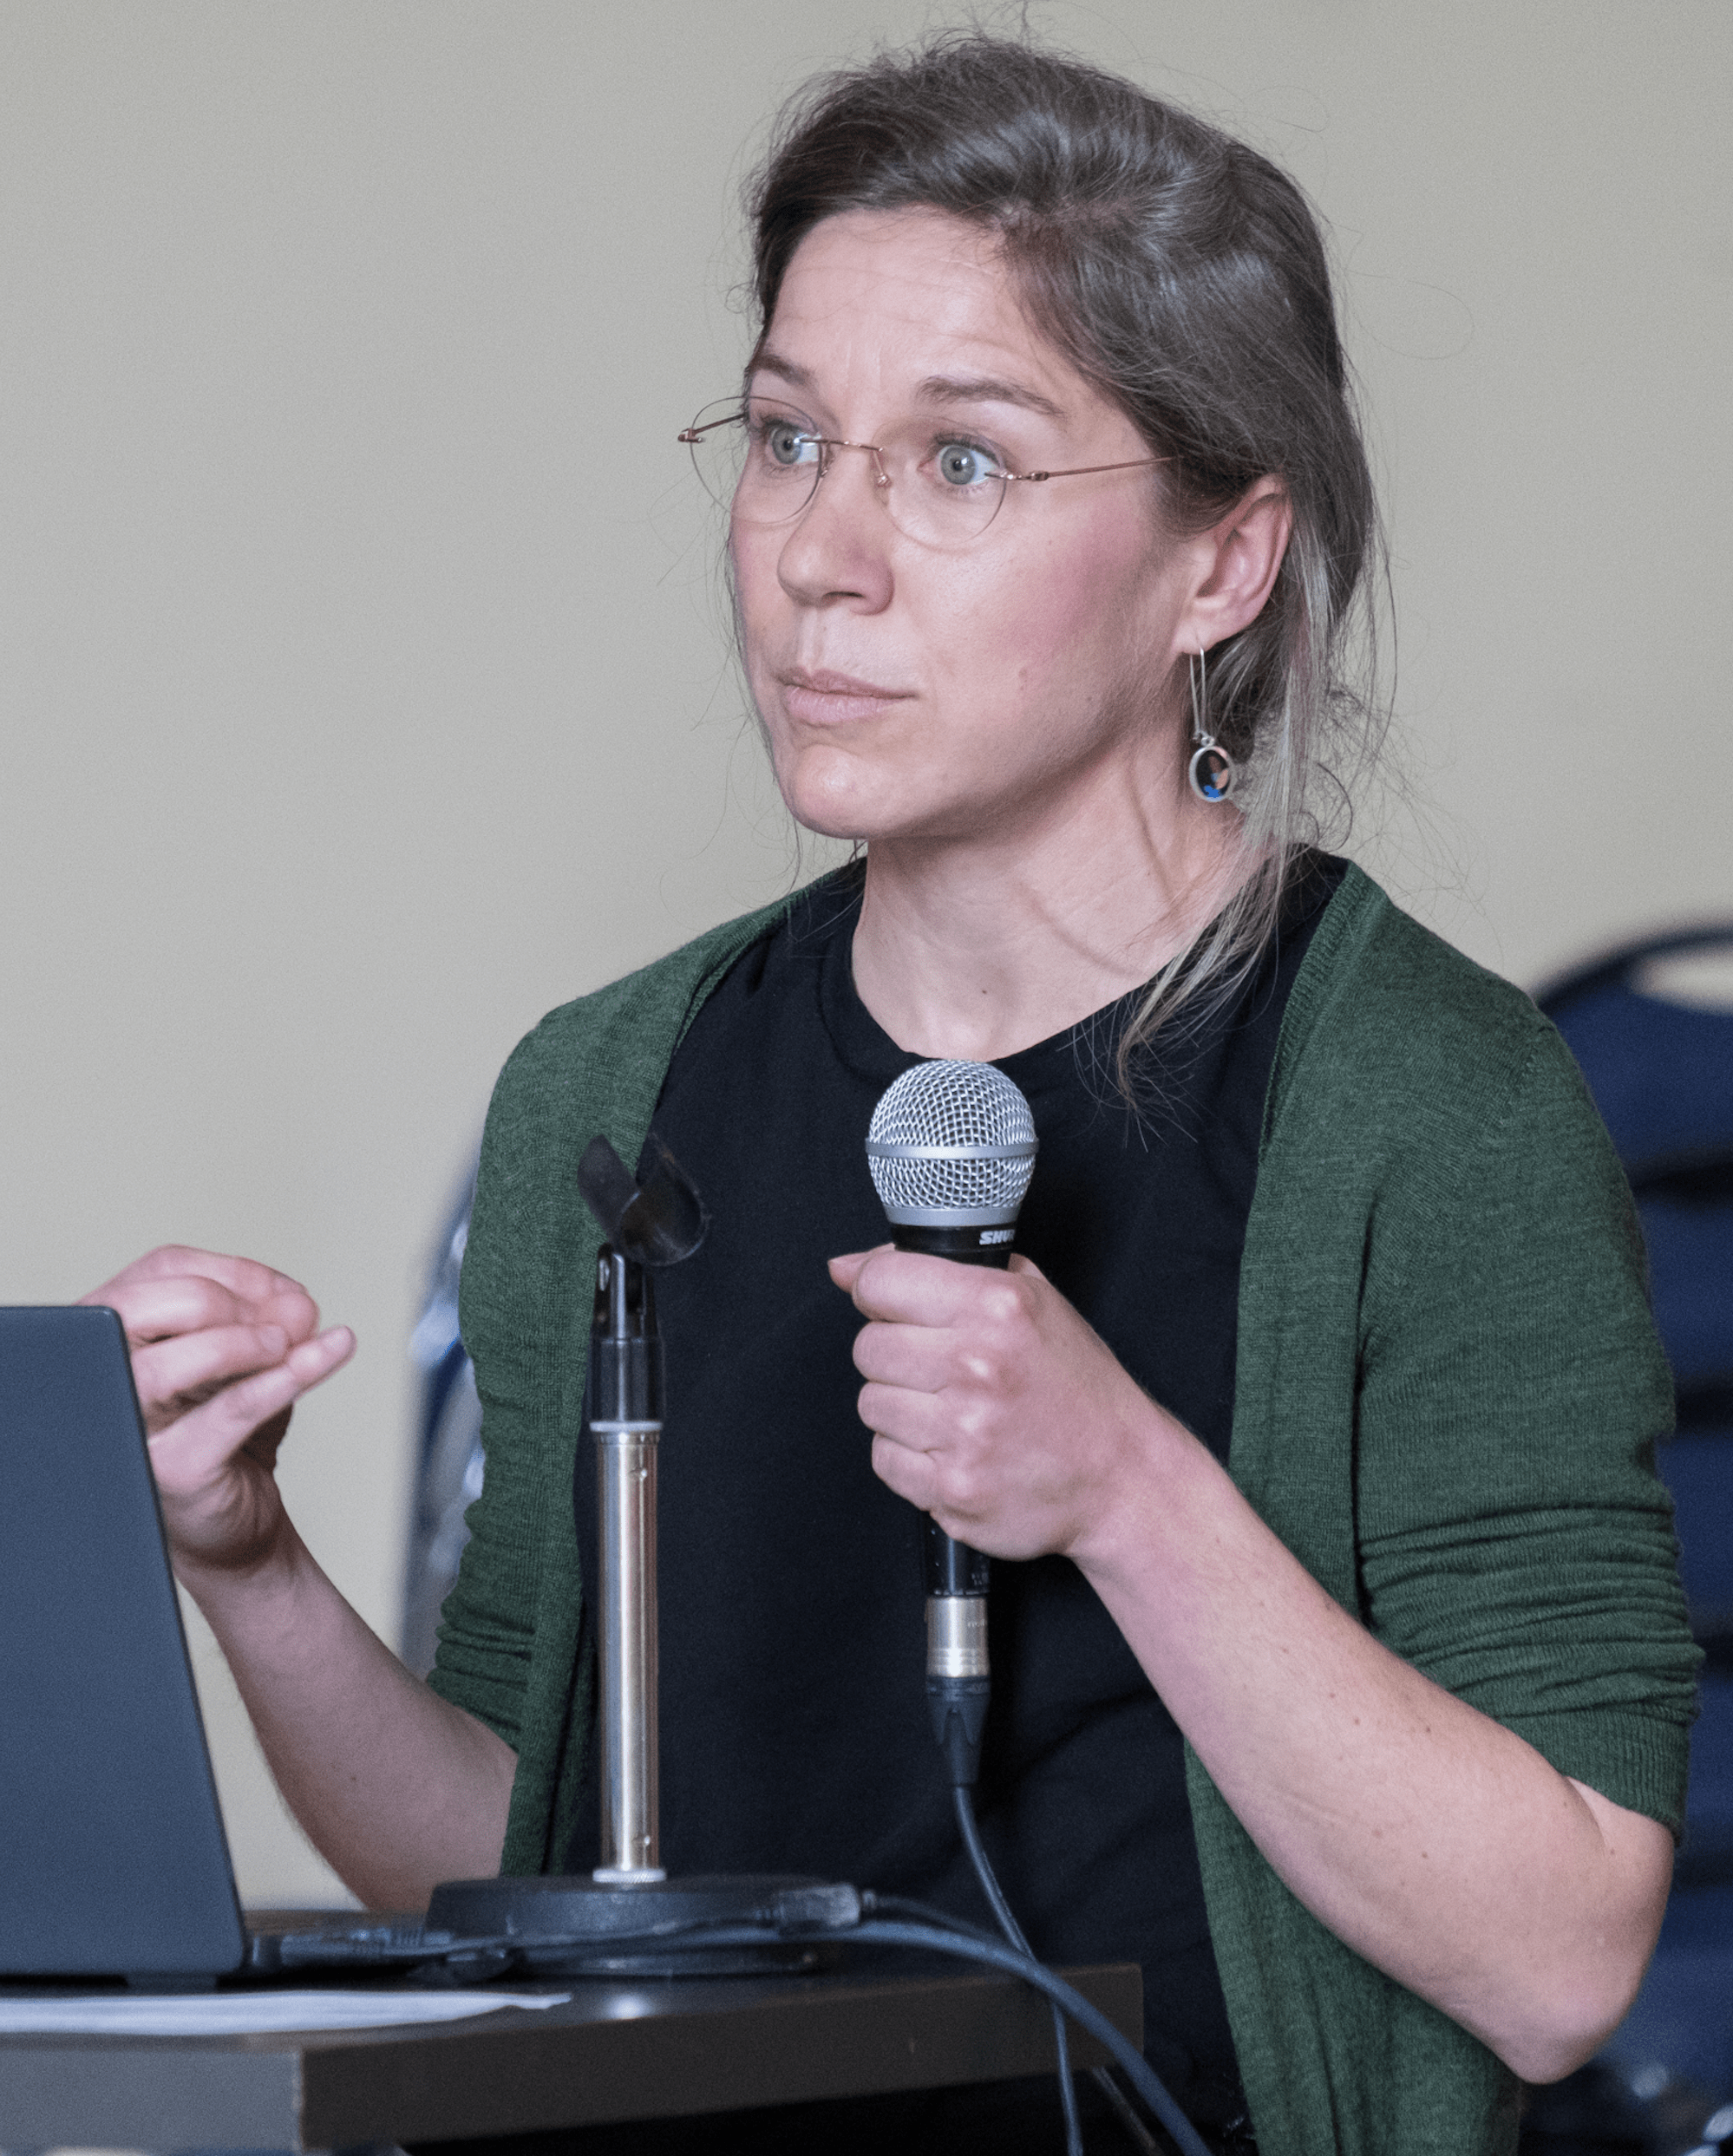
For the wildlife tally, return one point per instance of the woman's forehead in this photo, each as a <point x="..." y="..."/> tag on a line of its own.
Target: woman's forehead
<point x="917" y="306"/>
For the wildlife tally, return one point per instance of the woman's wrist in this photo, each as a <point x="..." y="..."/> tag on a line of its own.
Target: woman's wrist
<point x="279" y="1570"/>
<point x="1159" y="1484"/>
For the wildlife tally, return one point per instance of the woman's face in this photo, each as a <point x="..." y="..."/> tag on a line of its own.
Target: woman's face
<point x="942" y="691"/>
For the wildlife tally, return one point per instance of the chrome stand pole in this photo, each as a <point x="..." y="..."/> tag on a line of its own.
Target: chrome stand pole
<point x="627" y="1392"/>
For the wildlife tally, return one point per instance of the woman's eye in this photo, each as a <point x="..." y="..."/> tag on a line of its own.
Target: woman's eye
<point x="788" y="444"/>
<point x="966" y="464"/>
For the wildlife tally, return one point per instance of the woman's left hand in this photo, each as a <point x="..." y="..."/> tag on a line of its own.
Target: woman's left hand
<point x="993" y="1405"/>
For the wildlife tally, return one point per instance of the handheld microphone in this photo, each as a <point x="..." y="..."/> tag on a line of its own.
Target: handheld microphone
<point x="951" y="1149"/>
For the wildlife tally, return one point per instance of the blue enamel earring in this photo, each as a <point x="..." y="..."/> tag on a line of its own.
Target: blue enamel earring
<point x="1212" y="772"/>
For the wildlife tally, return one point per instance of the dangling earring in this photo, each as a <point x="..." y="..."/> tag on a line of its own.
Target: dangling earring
<point x="1212" y="771"/>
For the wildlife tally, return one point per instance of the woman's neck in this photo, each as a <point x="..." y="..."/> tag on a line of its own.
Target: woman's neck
<point x="975" y="948"/>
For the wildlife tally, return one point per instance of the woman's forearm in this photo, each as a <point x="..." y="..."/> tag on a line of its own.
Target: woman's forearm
<point x="396" y="1788"/>
<point x="1436" y="1842"/>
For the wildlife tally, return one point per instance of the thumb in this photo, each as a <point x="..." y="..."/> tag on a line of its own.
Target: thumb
<point x="846" y="1271"/>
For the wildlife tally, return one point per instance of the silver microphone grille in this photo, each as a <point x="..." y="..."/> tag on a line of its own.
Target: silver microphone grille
<point x="951" y="1145"/>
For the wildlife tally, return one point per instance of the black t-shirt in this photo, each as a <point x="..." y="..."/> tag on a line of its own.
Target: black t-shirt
<point x="795" y="1730"/>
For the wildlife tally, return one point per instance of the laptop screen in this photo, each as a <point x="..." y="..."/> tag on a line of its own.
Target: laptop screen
<point x="113" y="1860"/>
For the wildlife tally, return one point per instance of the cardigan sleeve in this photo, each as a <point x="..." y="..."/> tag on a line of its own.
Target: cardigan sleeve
<point x="488" y="1627"/>
<point x="1514" y="1541"/>
<point x="1448" y="1394"/>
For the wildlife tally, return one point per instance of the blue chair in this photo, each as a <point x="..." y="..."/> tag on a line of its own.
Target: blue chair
<point x="1661" y="1071"/>
<point x="448" y="1459"/>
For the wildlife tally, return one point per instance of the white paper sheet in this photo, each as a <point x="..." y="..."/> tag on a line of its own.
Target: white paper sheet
<point x="251" y="2013"/>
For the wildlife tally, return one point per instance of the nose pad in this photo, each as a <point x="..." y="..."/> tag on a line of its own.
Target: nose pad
<point x="881" y="478"/>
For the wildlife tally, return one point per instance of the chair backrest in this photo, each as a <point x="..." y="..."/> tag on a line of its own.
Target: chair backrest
<point x="449" y="1458"/>
<point x="1661" y="1071"/>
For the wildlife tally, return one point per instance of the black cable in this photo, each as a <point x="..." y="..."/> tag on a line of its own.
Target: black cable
<point x="924" y="1912"/>
<point x="970" y="1828"/>
<point x="1100" y="2074"/>
<point x="1130" y="2060"/>
<point x="897" y="1906"/>
<point x="945" y="1937"/>
<point x="935" y="1932"/>
<point x="964" y="1800"/>
<point x="1138" y="2134"/>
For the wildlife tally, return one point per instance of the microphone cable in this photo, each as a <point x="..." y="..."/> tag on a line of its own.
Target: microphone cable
<point x="964" y="1799"/>
<point x="821" y="1913"/>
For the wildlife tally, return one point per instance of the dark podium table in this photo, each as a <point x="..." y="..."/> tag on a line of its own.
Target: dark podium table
<point x="615" y="2051"/>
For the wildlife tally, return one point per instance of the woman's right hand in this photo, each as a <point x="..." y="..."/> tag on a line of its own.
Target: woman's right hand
<point x="222" y="1348"/>
<point x="396" y="1787"/>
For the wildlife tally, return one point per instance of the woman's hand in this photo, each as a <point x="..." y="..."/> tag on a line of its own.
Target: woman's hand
<point x="222" y="1349"/>
<point x="994" y="1406"/>
<point x="397" y="1788"/>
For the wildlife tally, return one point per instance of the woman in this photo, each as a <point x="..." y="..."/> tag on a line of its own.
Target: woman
<point x="1342" y="1673"/>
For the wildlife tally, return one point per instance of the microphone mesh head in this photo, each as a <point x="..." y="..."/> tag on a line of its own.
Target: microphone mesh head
<point x="951" y="1142"/>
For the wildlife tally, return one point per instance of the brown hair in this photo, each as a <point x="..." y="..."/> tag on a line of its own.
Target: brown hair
<point x="1185" y="276"/>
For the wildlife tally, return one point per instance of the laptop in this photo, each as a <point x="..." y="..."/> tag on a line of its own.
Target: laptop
<point x="113" y="1859"/>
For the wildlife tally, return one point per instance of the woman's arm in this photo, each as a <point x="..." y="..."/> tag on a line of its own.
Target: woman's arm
<point x="396" y="1788"/>
<point x="1435" y="1841"/>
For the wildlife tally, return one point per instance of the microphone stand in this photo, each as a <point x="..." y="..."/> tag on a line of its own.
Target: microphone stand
<point x="626" y="1383"/>
<point x="629" y="1892"/>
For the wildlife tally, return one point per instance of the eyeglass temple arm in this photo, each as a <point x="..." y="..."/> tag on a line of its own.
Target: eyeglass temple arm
<point x="692" y="434"/>
<point x="1081" y="471"/>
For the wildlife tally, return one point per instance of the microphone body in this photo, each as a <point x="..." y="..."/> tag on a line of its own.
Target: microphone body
<point x="951" y="1149"/>
<point x="958" y="1670"/>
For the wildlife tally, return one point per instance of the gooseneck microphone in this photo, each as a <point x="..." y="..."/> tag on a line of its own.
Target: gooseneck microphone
<point x="951" y="1149"/>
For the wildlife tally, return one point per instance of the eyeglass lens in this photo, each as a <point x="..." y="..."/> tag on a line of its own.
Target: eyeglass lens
<point x="762" y="460"/>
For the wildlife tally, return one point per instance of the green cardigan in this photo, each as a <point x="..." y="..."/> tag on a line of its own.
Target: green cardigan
<point x="1447" y="1398"/>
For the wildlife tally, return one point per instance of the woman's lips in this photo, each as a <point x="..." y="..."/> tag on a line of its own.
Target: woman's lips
<point x="822" y="698"/>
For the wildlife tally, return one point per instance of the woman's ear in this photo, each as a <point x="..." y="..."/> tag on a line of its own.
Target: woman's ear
<point x="1239" y="555"/>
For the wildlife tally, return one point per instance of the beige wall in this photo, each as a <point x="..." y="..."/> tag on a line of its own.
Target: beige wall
<point x="362" y="695"/>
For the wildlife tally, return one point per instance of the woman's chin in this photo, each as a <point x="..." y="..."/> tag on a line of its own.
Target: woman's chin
<point x="824" y="795"/>
<point x="837" y="794"/>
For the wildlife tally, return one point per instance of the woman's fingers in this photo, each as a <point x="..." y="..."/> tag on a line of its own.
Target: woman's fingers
<point x="993" y="1405"/>
<point x="908" y="1287"/>
<point x="175" y="1374"/>
<point x="197" y="1322"/>
<point x="245" y="1276"/>
<point x="176" y="1288"/>
<point x="193" y="1449"/>
<point x="905" y="1471"/>
<point x="920" y="1357"/>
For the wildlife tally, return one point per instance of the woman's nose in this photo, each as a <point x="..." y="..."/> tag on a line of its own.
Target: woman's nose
<point x="840" y="545"/>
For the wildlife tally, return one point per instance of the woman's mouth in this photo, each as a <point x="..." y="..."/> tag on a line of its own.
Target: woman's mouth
<point x="818" y="697"/>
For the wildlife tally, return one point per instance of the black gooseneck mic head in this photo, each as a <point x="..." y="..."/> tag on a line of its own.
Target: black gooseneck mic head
<point x="654" y="1226"/>
<point x="661" y="1222"/>
<point x="951" y="1149"/>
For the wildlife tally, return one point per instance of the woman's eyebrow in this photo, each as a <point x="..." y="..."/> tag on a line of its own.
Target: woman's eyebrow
<point x="987" y="389"/>
<point x="936" y="389"/>
<point x="797" y="377"/>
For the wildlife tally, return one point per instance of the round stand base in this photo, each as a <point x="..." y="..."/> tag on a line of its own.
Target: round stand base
<point x="568" y="1927"/>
